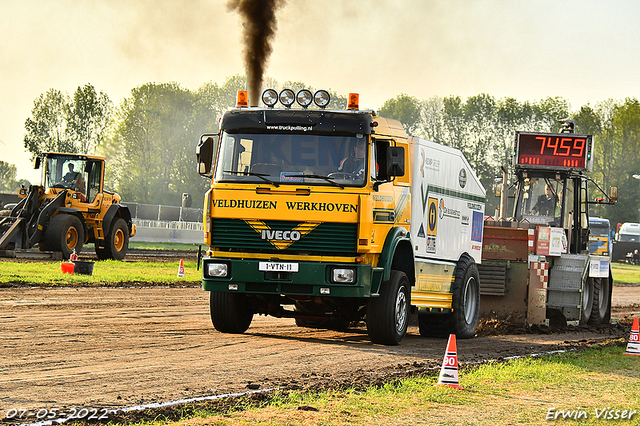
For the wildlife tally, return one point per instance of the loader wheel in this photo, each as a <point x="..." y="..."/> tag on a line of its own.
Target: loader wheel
<point x="463" y="321"/>
<point x="230" y="312"/>
<point x="116" y="243"/>
<point x="64" y="233"/>
<point x="587" y="301"/>
<point x="601" y="301"/>
<point x="388" y="314"/>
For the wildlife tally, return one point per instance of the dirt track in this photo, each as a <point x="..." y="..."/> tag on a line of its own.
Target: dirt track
<point x="118" y="347"/>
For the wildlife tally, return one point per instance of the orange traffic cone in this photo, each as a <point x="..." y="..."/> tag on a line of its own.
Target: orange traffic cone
<point x="449" y="370"/>
<point x="633" y="347"/>
<point x="181" y="269"/>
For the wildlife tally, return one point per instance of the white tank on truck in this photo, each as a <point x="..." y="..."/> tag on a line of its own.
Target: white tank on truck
<point x="333" y="217"/>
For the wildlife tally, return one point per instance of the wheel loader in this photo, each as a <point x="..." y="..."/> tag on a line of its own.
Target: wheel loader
<point x="69" y="209"/>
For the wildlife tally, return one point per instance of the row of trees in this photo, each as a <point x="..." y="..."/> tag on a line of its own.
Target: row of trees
<point x="8" y="174"/>
<point x="150" y="137"/>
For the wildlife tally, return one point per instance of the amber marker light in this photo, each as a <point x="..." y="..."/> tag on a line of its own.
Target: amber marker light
<point x="354" y="101"/>
<point x="242" y="99"/>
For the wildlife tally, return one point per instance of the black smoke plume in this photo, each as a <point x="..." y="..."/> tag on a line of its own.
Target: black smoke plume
<point x="259" y="28"/>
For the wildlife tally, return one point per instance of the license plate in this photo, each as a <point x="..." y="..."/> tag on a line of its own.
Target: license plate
<point x="277" y="267"/>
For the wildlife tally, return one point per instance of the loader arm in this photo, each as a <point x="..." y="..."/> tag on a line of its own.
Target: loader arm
<point x="38" y="223"/>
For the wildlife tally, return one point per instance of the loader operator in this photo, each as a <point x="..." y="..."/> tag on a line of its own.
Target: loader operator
<point x="73" y="180"/>
<point x="71" y="175"/>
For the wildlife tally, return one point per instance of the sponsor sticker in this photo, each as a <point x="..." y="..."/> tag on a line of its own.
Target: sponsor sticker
<point x="476" y="226"/>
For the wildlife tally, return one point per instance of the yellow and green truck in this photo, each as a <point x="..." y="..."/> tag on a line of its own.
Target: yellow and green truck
<point x="337" y="216"/>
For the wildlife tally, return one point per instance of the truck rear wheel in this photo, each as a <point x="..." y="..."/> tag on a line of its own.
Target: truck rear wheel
<point x="230" y="312"/>
<point x="601" y="301"/>
<point x="463" y="321"/>
<point x="64" y="233"/>
<point x="466" y="298"/>
<point x="388" y="314"/>
<point x="116" y="243"/>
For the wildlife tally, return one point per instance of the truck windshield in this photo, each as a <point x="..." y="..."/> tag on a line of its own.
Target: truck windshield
<point x="292" y="159"/>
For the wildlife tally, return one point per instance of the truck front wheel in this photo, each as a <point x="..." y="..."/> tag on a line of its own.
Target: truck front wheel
<point x="388" y="314"/>
<point x="230" y="312"/>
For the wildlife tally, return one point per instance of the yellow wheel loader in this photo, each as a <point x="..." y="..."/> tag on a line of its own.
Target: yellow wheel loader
<point x="69" y="209"/>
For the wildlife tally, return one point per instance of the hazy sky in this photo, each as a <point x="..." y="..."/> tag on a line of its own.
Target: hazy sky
<point x="583" y="50"/>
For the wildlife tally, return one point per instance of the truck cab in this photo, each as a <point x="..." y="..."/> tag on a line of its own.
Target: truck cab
<point x="334" y="217"/>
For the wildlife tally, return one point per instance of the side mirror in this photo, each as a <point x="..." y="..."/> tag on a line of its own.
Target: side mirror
<point x="204" y="153"/>
<point x="613" y="193"/>
<point x="36" y="163"/>
<point x="395" y="161"/>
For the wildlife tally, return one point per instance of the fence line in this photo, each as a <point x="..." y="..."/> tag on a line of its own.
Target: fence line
<point x="161" y="213"/>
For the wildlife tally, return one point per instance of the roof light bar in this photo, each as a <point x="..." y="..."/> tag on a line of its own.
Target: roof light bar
<point x="287" y="97"/>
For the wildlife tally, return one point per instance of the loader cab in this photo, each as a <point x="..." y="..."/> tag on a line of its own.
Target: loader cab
<point x="78" y="173"/>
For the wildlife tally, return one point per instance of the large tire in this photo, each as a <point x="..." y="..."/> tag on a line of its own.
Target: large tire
<point x="116" y="243"/>
<point x="463" y="321"/>
<point x="587" y="301"/>
<point x="230" y="312"/>
<point x="64" y="233"/>
<point x="601" y="301"/>
<point x="466" y="298"/>
<point x="388" y="314"/>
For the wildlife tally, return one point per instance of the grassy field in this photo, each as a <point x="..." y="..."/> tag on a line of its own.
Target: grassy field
<point x="49" y="273"/>
<point x="598" y="386"/>
<point x="104" y="272"/>
<point x="625" y="274"/>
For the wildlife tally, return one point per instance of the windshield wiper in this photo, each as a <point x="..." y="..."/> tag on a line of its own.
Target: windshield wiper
<point x="327" y="178"/>
<point x="260" y="175"/>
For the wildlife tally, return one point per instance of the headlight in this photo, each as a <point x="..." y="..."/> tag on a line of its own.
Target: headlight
<point x="322" y="98"/>
<point x="287" y="97"/>
<point x="217" y="270"/>
<point x="304" y="98"/>
<point x="270" y="97"/>
<point x="343" y="275"/>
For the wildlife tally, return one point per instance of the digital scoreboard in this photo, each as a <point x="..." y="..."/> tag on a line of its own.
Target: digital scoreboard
<point x="553" y="151"/>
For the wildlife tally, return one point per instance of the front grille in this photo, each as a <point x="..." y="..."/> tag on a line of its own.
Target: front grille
<point x="326" y="238"/>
